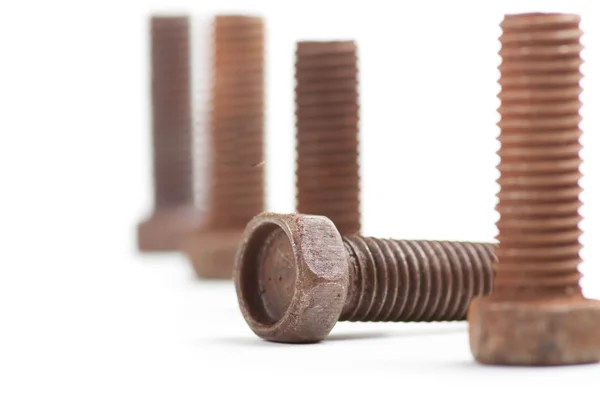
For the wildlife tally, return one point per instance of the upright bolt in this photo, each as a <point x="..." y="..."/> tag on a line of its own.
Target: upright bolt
<point x="327" y="173"/>
<point x="174" y="214"/>
<point x="296" y="276"/>
<point x="236" y="190"/>
<point x="537" y="314"/>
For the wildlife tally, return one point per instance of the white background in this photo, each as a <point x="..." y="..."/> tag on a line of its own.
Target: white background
<point x="83" y="316"/>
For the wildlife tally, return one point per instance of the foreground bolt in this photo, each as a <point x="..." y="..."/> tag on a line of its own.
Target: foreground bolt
<point x="296" y="277"/>
<point x="537" y="314"/>
<point x="236" y="189"/>
<point x="174" y="215"/>
<point x="327" y="173"/>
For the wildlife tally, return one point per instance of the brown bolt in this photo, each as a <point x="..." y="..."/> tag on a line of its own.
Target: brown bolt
<point x="537" y="314"/>
<point x="236" y="189"/>
<point x="327" y="173"/>
<point x="296" y="276"/>
<point x="174" y="215"/>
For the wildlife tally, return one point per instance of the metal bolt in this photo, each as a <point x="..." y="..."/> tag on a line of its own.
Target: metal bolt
<point x="296" y="276"/>
<point x="537" y="314"/>
<point x="236" y="189"/>
<point x="327" y="179"/>
<point x="174" y="214"/>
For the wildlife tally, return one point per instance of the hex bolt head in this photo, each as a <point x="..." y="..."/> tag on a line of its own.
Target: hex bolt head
<point x="295" y="277"/>
<point x="543" y="332"/>
<point x="291" y="277"/>
<point x="212" y="252"/>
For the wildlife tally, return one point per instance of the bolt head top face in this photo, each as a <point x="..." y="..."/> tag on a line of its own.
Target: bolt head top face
<point x="291" y="277"/>
<point x="535" y="332"/>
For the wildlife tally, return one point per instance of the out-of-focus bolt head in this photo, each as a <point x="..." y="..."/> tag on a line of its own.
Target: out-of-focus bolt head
<point x="535" y="332"/>
<point x="291" y="277"/>
<point x="166" y="229"/>
<point x="212" y="253"/>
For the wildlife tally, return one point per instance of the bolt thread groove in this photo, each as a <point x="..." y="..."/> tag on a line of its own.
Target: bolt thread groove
<point x="327" y="172"/>
<point x="538" y="201"/>
<point x="404" y="280"/>
<point x="171" y="113"/>
<point x="237" y="122"/>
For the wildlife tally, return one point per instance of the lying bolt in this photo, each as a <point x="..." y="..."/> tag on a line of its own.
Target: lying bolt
<point x="295" y="277"/>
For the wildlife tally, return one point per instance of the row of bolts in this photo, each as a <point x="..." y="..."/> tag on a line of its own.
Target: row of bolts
<point x="296" y="275"/>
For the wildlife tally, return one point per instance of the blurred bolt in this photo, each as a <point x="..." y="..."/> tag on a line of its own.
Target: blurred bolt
<point x="327" y="173"/>
<point x="174" y="215"/>
<point x="236" y="190"/>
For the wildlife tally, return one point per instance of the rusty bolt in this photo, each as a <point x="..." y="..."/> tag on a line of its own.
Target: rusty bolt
<point x="174" y="215"/>
<point x="236" y="189"/>
<point x="296" y="276"/>
<point x="537" y="314"/>
<point x="327" y="173"/>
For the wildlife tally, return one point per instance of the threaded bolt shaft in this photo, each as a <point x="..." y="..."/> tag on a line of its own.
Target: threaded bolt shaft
<point x="327" y="170"/>
<point x="538" y="254"/>
<point x="171" y="112"/>
<point x="237" y="120"/>
<point x="414" y="280"/>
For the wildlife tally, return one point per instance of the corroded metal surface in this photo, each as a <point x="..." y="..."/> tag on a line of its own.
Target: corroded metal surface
<point x="537" y="315"/>
<point x="296" y="277"/>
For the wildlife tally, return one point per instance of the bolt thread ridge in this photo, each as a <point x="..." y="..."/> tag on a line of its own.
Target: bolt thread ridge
<point x="171" y="112"/>
<point x="237" y="121"/>
<point x="415" y="280"/>
<point x="538" y="201"/>
<point x="327" y="173"/>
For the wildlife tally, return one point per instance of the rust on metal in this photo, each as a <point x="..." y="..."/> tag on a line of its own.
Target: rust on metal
<point x="296" y="276"/>
<point x="327" y="173"/>
<point x="174" y="215"/>
<point x="537" y="314"/>
<point x="236" y="188"/>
